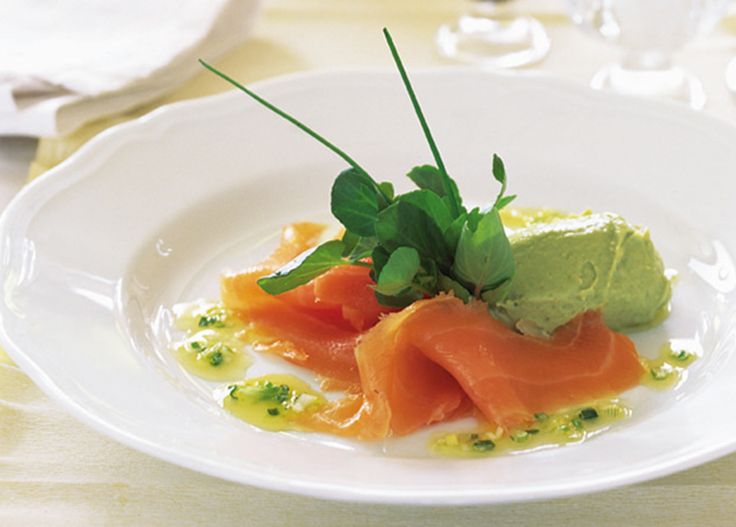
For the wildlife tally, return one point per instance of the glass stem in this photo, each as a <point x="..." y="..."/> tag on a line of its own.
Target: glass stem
<point x="490" y="8"/>
<point x="646" y="61"/>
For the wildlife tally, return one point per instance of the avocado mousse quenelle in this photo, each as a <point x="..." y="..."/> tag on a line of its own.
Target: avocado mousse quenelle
<point x="570" y="263"/>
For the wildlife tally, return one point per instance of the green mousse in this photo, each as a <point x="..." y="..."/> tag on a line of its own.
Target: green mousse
<point x="569" y="265"/>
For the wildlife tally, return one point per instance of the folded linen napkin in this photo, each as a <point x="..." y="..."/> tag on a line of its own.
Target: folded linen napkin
<point x="65" y="63"/>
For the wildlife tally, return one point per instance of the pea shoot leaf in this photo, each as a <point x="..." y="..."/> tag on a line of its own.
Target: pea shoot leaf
<point x="388" y="189"/>
<point x="357" y="247"/>
<point x="307" y="266"/>
<point x="356" y="201"/>
<point x="499" y="173"/>
<point x="398" y="272"/>
<point x="401" y="300"/>
<point x="379" y="257"/>
<point x="430" y="203"/>
<point x="483" y="259"/>
<point x="505" y="200"/>
<point x="404" y="224"/>
<point x="448" y="284"/>
<point x="428" y="177"/>
<point x="452" y="233"/>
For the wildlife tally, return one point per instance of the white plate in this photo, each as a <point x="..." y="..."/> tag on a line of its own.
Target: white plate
<point x="150" y="213"/>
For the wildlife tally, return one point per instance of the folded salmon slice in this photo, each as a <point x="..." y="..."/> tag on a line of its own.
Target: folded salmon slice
<point x="402" y="390"/>
<point x="510" y="376"/>
<point x="316" y="325"/>
<point x="424" y="364"/>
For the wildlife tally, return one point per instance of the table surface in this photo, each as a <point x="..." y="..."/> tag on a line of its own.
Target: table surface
<point x="55" y="471"/>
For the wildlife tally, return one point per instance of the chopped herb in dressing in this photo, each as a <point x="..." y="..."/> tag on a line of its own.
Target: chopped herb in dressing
<point x="661" y="373"/>
<point x="669" y="368"/>
<point x="195" y="316"/>
<point x="588" y="413"/>
<point x="520" y="436"/>
<point x="272" y="402"/>
<point x="681" y="355"/>
<point x="212" y="347"/>
<point x="483" y="445"/>
<point x="216" y="357"/>
<point x="568" y="426"/>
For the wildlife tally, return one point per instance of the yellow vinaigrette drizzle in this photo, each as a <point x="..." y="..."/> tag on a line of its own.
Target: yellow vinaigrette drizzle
<point x="212" y="347"/>
<point x="668" y="369"/>
<point x="272" y="402"/>
<point x="567" y="426"/>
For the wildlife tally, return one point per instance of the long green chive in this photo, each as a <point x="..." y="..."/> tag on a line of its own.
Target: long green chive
<point x="449" y="187"/>
<point x="304" y="128"/>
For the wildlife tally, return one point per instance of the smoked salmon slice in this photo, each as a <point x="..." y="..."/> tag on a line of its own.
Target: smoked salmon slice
<point x="316" y="325"/>
<point x="426" y="363"/>
<point x="510" y="376"/>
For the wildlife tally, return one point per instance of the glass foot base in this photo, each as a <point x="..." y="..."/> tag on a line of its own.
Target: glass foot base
<point x="494" y="42"/>
<point x="672" y="84"/>
<point x="731" y="76"/>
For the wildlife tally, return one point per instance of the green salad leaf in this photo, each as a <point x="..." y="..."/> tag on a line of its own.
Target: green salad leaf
<point x="403" y="224"/>
<point x="357" y="200"/>
<point x="429" y="178"/>
<point x="306" y="267"/>
<point x="417" y="244"/>
<point x="399" y="271"/>
<point x="431" y="204"/>
<point x="388" y="189"/>
<point x="357" y="247"/>
<point x="483" y="259"/>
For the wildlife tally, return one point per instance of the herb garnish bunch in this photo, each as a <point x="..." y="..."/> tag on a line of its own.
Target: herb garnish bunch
<point x="417" y="244"/>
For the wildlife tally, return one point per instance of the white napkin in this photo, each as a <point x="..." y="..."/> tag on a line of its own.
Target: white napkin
<point x="67" y="62"/>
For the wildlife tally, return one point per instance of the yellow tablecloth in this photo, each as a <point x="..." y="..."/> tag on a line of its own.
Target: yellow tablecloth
<point x="55" y="471"/>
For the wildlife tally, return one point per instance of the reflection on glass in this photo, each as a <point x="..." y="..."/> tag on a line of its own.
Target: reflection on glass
<point x="649" y="31"/>
<point x="484" y="36"/>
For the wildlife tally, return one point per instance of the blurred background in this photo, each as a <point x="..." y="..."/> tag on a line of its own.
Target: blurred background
<point x="69" y="71"/>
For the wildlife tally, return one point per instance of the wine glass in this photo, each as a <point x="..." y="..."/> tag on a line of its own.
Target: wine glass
<point x="493" y="39"/>
<point x="649" y="31"/>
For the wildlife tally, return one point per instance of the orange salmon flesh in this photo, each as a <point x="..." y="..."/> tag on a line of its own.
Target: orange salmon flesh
<point x="436" y="360"/>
